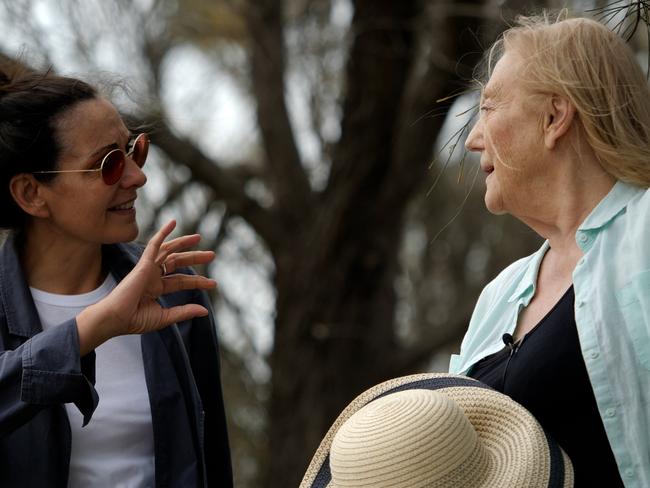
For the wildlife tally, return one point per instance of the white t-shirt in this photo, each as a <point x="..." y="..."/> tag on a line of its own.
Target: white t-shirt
<point x="115" y="449"/>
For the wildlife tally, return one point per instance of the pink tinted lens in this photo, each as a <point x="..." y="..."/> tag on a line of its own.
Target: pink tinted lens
<point x="113" y="166"/>
<point x="140" y="149"/>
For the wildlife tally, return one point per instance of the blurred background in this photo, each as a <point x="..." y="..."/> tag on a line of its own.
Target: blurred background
<point x="317" y="145"/>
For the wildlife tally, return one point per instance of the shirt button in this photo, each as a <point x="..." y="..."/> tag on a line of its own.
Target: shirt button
<point x="629" y="472"/>
<point x="610" y="412"/>
<point x="583" y="238"/>
<point x="580" y="304"/>
<point x="593" y="354"/>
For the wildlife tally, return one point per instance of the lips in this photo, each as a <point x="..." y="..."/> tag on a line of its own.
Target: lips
<point x="487" y="168"/>
<point x="128" y="205"/>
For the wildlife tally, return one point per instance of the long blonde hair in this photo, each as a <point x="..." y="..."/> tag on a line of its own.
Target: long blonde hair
<point x="596" y="70"/>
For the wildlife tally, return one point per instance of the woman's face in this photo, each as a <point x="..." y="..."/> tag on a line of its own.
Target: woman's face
<point x="81" y="206"/>
<point x="509" y="137"/>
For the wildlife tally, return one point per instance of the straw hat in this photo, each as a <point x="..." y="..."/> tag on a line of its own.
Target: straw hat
<point x="437" y="430"/>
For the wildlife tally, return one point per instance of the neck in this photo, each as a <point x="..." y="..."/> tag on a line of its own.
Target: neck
<point x="568" y="198"/>
<point x="57" y="263"/>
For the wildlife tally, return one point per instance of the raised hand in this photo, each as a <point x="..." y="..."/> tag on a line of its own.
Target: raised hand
<point x="131" y="308"/>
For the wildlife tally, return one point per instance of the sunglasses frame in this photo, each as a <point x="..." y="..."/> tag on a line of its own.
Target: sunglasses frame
<point x="104" y="159"/>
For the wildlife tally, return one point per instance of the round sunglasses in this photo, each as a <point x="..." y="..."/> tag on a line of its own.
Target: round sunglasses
<point x="112" y="166"/>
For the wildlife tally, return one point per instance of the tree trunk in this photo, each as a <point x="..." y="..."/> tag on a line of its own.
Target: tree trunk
<point x="335" y="323"/>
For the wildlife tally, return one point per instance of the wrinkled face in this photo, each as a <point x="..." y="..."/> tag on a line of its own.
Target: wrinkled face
<point x="83" y="207"/>
<point x="509" y="137"/>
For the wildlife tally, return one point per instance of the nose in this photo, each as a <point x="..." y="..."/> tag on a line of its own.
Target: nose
<point x="474" y="141"/>
<point x="133" y="175"/>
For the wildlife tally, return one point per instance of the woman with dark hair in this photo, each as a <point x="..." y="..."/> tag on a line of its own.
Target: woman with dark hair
<point x="109" y="367"/>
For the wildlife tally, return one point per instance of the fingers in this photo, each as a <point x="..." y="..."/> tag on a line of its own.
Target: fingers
<point x="165" y="255"/>
<point x="153" y="247"/>
<point x="177" y="244"/>
<point x="190" y="258"/>
<point x="179" y="282"/>
<point x="181" y="313"/>
<point x="182" y="242"/>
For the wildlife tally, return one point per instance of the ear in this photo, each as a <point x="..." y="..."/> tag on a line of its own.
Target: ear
<point x="27" y="193"/>
<point x="558" y="118"/>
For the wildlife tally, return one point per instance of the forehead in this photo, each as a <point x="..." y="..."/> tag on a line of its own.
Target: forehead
<point x="503" y="80"/>
<point x="88" y="126"/>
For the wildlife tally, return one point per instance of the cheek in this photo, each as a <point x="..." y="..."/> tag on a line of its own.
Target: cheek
<point x="512" y="152"/>
<point x="87" y="204"/>
<point x="498" y="136"/>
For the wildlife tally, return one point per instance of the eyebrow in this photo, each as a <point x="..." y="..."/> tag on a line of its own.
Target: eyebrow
<point x="94" y="158"/>
<point x="492" y="92"/>
<point x="104" y="149"/>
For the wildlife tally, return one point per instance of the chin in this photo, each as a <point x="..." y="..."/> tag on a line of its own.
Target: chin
<point x="493" y="205"/>
<point x="495" y="210"/>
<point x="127" y="234"/>
<point x="494" y="202"/>
<point x="132" y="234"/>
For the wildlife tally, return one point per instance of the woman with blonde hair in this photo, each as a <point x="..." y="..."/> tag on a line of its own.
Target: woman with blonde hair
<point x="564" y="138"/>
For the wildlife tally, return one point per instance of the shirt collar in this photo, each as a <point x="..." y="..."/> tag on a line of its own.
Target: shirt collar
<point x="610" y="206"/>
<point x="528" y="281"/>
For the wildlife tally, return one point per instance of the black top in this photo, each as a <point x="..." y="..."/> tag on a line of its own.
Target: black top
<point x="545" y="372"/>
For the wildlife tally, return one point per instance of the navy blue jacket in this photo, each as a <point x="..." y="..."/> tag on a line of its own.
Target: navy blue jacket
<point x="40" y="371"/>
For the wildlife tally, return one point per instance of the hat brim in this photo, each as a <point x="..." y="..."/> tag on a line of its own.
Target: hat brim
<point x="541" y="454"/>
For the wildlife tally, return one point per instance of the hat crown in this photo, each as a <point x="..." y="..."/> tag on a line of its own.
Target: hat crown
<point x="407" y="438"/>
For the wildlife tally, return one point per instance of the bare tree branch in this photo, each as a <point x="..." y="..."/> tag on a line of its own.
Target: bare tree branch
<point x="222" y="232"/>
<point x="154" y="54"/>
<point x="16" y="11"/>
<point x="228" y="184"/>
<point x="422" y="116"/>
<point x="288" y="178"/>
<point x="377" y="69"/>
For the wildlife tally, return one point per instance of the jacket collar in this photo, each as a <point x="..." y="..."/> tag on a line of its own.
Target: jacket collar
<point x="17" y="302"/>
<point x="20" y="311"/>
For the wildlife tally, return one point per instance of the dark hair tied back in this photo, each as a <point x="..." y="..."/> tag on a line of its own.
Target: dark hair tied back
<point x="4" y="80"/>
<point x="5" y="83"/>
<point x="30" y="104"/>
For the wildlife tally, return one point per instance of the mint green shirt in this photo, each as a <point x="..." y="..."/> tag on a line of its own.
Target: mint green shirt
<point x="612" y="313"/>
